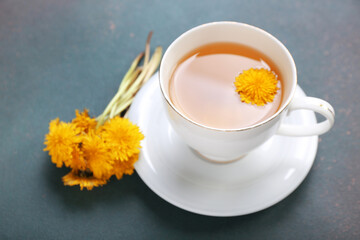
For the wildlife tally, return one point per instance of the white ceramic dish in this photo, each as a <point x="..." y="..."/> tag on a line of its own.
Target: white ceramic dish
<point x="177" y="174"/>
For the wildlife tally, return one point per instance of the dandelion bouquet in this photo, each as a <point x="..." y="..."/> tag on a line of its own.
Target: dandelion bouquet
<point x="97" y="148"/>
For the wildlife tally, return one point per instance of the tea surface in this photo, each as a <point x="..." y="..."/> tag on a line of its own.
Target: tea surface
<point x="202" y="86"/>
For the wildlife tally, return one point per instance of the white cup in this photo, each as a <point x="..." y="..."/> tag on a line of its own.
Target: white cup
<point x="223" y="145"/>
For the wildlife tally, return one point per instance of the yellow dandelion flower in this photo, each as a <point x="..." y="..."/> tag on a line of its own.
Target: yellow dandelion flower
<point x="61" y="141"/>
<point x="84" y="121"/>
<point x="75" y="178"/>
<point x="78" y="162"/>
<point x="256" y="86"/>
<point x="125" y="167"/>
<point x="97" y="156"/>
<point x="122" y="138"/>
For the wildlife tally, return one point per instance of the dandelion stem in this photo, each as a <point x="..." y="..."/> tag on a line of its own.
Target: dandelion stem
<point x="134" y="78"/>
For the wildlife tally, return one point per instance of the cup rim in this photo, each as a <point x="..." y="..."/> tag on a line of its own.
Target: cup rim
<point x="275" y="115"/>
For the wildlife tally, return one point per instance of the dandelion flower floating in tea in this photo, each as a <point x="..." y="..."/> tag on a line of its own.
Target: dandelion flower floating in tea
<point x="256" y="86"/>
<point x="97" y="148"/>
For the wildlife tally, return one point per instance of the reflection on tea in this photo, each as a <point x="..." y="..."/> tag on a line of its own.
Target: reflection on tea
<point x="202" y="86"/>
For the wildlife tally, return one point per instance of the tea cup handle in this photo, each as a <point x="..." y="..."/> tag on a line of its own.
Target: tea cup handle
<point x="316" y="105"/>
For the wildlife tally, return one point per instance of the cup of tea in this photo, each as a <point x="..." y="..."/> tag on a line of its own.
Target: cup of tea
<point x="197" y="75"/>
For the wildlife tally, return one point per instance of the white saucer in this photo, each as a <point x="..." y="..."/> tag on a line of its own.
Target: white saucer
<point x="178" y="175"/>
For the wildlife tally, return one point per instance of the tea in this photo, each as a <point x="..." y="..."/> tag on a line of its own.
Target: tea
<point x="202" y="86"/>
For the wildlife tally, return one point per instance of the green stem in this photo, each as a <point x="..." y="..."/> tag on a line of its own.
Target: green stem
<point x="146" y="74"/>
<point x="147" y="49"/>
<point x="135" y="87"/>
<point x="127" y="79"/>
<point x="132" y="82"/>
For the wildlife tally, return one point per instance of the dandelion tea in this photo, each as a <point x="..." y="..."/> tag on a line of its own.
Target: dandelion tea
<point x="202" y="86"/>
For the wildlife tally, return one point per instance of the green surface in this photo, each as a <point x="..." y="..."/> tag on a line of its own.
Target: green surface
<point x="58" y="56"/>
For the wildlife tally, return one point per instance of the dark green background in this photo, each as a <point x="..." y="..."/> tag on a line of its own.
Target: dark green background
<point x="60" y="55"/>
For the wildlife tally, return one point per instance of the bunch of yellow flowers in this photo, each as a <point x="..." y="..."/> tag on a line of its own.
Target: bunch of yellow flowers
<point x="93" y="154"/>
<point x="97" y="148"/>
